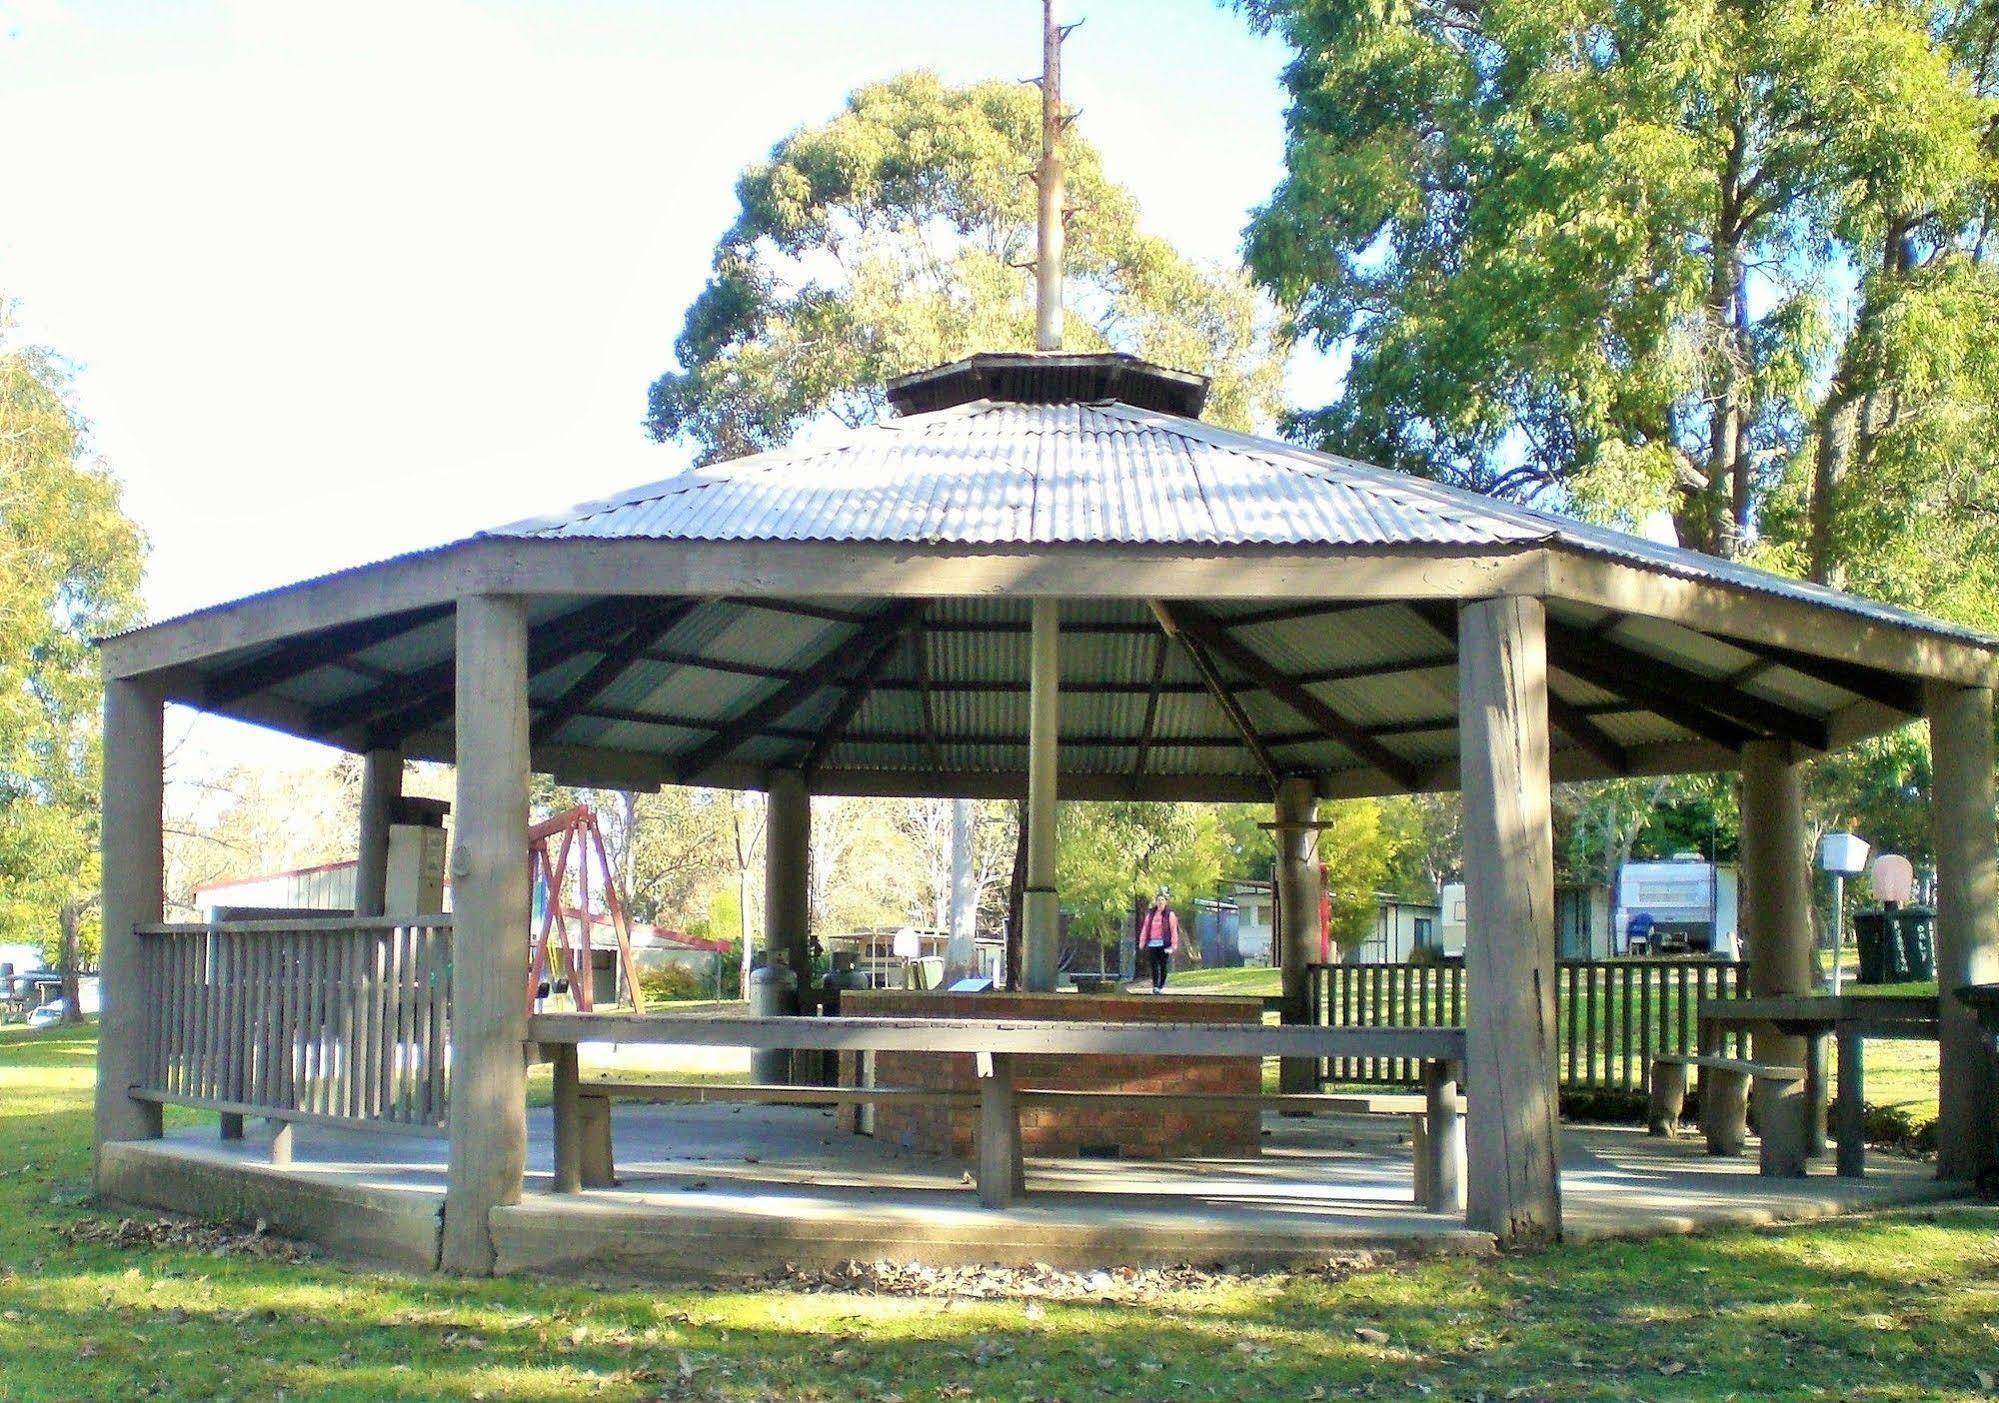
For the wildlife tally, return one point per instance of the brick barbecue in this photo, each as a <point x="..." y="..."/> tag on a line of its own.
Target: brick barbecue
<point x="1133" y="1129"/>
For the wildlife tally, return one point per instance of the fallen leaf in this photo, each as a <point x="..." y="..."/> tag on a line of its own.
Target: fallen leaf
<point x="1672" y="1368"/>
<point x="1369" y="1335"/>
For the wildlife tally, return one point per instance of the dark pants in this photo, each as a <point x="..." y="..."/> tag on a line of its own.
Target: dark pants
<point x="1162" y="960"/>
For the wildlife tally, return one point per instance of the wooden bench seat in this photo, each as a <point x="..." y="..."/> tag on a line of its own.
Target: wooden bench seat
<point x="1724" y="1096"/>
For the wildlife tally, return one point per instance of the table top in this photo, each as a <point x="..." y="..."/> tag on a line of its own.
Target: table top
<point x="1876" y="1015"/>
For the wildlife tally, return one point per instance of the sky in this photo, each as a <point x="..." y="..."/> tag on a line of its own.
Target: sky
<point x="344" y="280"/>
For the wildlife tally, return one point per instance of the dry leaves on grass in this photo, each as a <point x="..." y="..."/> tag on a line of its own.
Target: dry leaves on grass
<point x="1040" y="1280"/>
<point x="168" y="1234"/>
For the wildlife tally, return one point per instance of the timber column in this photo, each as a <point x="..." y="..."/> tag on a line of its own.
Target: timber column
<point x="787" y="864"/>
<point x="1298" y="917"/>
<point x="1515" y="1185"/>
<point x="489" y="940"/>
<point x="1041" y="908"/>
<point x="381" y="787"/>
<point x="134" y="764"/>
<point x="1967" y="925"/>
<point x="1777" y="924"/>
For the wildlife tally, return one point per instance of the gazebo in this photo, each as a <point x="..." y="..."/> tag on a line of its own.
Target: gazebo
<point x="1047" y="577"/>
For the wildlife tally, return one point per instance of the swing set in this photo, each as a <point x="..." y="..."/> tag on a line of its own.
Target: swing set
<point x="556" y="964"/>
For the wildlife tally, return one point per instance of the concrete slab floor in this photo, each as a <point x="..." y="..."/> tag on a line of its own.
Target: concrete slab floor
<point x="720" y="1190"/>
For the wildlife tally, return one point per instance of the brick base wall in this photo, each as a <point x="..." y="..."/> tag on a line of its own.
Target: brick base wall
<point x="1134" y="1129"/>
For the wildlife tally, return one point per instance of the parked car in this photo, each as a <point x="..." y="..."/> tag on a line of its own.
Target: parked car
<point x="48" y="1015"/>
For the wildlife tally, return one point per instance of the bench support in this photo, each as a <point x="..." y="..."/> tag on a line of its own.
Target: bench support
<point x="593" y="1133"/>
<point x="1438" y="1140"/>
<point x="281" y="1145"/>
<point x="1669" y="1098"/>
<point x="1001" y="1173"/>
<point x="1783" y="1121"/>
<point x="1724" y="1109"/>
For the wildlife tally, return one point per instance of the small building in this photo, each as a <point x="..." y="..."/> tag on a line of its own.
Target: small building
<point x="1583" y="928"/>
<point x="1401" y="929"/>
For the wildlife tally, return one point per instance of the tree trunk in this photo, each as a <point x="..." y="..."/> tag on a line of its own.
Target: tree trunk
<point x="69" y="919"/>
<point x="1016" y="895"/>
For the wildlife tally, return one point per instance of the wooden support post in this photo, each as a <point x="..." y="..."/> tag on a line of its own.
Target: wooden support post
<point x="232" y="1125"/>
<point x="133" y="864"/>
<point x="1515" y="1186"/>
<point x="1777" y="929"/>
<point x="1040" y="907"/>
<point x="568" y="1128"/>
<point x="1297" y="918"/>
<point x="593" y="1130"/>
<point x="489" y="872"/>
<point x="281" y="1144"/>
<point x="787" y="860"/>
<point x="1850" y="1114"/>
<point x="1967" y="942"/>
<point x="1442" y="1171"/>
<point x="1000" y="1172"/>
<point x="381" y="787"/>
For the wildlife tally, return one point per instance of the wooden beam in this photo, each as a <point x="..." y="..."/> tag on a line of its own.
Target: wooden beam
<point x="920" y="664"/>
<point x="420" y="699"/>
<point x="1895" y="692"/>
<point x="855" y="692"/>
<point x="1573" y="722"/>
<point x="1217" y="639"/>
<point x="615" y="662"/>
<point x="1304" y="609"/>
<point x="1151" y="724"/>
<point x="1604" y="662"/>
<point x="792" y="695"/>
<point x="1169" y="620"/>
<point x="318" y="650"/>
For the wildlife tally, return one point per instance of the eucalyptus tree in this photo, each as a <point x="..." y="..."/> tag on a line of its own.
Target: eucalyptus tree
<point x="70" y="563"/>
<point x="1725" y="259"/>
<point x="899" y="235"/>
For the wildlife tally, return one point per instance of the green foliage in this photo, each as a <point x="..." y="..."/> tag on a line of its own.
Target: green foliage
<point x="1356" y="854"/>
<point x="1111" y="856"/>
<point x="673" y="982"/>
<point x="894" y="238"/>
<point x="1607" y="252"/>
<point x="69" y="570"/>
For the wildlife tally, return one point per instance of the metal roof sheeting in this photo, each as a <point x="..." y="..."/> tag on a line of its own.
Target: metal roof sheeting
<point x="1015" y="474"/>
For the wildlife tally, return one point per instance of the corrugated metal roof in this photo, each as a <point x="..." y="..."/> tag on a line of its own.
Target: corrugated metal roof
<point x="1004" y="473"/>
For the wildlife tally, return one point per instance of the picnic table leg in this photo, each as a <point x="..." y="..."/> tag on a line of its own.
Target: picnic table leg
<point x="232" y="1126"/>
<point x="1724" y="1109"/>
<point x="568" y="1134"/>
<point x="999" y="1168"/>
<point x="1815" y="1094"/>
<point x="1441" y="1156"/>
<point x="281" y="1145"/>
<point x="1850" y="1114"/>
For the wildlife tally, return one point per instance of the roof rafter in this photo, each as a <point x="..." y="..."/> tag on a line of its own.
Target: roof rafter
<point x="854" y="692"/>
<point x="1151" y="708"/>
<point x="605" y="672"/>
<point x="422" y="698"/>
<point x="1170" y="621"/>
<point x="1307" y="704"/>
<point x="1604" y="662"/>
<point x="316" y="650"/>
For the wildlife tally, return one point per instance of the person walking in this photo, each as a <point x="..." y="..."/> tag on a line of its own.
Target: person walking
<point x="1158" y="933"/>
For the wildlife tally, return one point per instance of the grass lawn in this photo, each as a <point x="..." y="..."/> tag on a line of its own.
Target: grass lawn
<point x="1901" y="1307"/>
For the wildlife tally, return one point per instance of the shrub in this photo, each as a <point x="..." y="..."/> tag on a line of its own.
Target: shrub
<point x="669" y="983"/>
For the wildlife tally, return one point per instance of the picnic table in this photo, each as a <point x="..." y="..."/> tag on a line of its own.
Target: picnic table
<point x="1439" y="1154"/>
<point x="1850" y="1020"/>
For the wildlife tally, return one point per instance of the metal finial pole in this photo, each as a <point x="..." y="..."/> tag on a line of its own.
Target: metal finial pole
<point x="1048" y="180"/>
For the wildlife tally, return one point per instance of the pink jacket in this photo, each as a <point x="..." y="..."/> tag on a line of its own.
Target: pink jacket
<point x="1150" y="924"/>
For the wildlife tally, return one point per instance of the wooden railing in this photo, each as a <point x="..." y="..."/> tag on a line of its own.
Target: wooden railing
<point x="1611" y="1016"/>
<point x="338" y="1020"/>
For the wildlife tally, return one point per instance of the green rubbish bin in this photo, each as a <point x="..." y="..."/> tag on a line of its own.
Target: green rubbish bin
<point x="1897" y="945"/>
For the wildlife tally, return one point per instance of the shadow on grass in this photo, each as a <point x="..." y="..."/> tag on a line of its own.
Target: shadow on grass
<point x="1887" y="1308"/>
